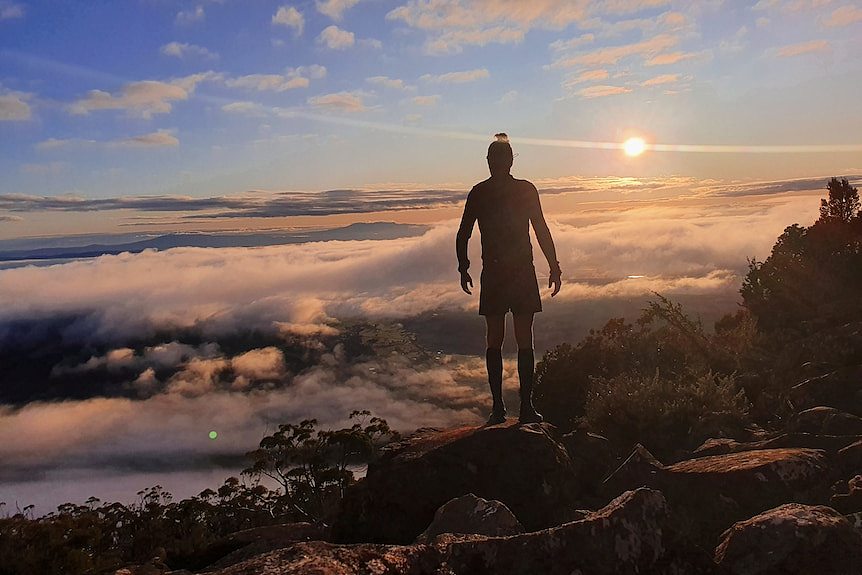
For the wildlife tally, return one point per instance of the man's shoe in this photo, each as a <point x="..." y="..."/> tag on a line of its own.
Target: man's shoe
<point x="497" y="417"/>
<point x="530" y="415"/>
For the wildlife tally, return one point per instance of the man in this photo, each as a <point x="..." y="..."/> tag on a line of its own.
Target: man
<point x="505" y="207"/>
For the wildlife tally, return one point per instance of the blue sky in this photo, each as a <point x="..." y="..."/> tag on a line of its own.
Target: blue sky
<point x="107" y="99"/>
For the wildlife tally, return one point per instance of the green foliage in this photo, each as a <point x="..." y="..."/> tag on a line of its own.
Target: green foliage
<point x="813" y="277"/>
<point x="842" y="204"/>
<point x="662" y="339"/>
<point x="312" y="466"/>
<point x="666" y="413"/>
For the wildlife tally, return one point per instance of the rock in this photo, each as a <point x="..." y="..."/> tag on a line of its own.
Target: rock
<point x="791" y="539"/>
<point x="841" y="388"/>
<point x="241" y="545"/>
<point x="827" y="421"/>
<point x="591" y="455"/>
<point x="633" y="534"/>
<point x="639" y="469"/>
<point x="522" y="466"/>
<point x="714" y="492"/>
<point x="720" y="446"/>
<point x="849" y="459"/>
<point x="849" y="498"/>
<point x="472" y="515"/>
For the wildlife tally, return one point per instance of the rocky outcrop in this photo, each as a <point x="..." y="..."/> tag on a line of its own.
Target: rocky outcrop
<point x="848" y="498"/>
<point x="831" y="444"/>
<point x="591" y="455"/>
<point x="849" y="459"/>
<point x="472" y="515"/>
<point x="792" y="539"/>
<point x="242" y="545"/>
<point x="633" y="534"/>
<point x="841" y="388"/>
<point x="827" y="421"/>
<point x="640" y="468"/>
<point x="522" y="466"/>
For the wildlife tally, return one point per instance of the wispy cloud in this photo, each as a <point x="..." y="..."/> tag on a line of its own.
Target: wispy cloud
<point x="844" y="16"/>
<point x="601" y="91"/>
<point x="387" y="82"/>
<point x="14" y="106"/>
<point x="340" y="101"/>
<point x="182" y="50"/>
<point x="461" y="77"/>
<point x="144" y="98"/>
<point x="186" y="17"/>
<point x="810" y="47"/>
<point x="11" y="10"/>
<point x="335" y="9"/>
<point x="158" y="139"/>
<point x="613" y="54"/>
<point x="430" y="100"/>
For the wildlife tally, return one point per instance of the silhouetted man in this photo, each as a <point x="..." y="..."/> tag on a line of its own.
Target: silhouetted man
<point x="505" y="207"/>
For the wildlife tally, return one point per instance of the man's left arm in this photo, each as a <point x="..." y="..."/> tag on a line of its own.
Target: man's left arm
<point x="546" y="242"/>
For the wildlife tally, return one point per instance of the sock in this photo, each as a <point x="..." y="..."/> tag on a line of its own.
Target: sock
<point x="526" y="367"/>
<point x="494" y="363"/>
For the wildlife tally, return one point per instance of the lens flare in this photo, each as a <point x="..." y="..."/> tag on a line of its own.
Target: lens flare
<point x="634" y="146"/>
<point x="213" y="434"/>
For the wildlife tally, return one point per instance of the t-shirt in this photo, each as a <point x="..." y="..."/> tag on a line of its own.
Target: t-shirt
<point x="504" y="208"/>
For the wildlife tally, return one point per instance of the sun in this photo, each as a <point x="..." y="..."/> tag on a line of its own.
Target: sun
<point x="634" y="146"/>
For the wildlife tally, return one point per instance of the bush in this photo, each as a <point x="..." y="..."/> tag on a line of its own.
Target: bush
<point x="666" y="413"/>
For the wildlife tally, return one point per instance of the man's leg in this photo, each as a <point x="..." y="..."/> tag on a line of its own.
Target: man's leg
<point x="526" y="366"/>
<point x="496" y="331"/>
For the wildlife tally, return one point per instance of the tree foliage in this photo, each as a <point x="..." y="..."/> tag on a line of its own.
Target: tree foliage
<point x="842" y="205"/>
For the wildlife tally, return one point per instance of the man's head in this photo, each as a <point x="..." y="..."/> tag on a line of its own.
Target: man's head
<point x="500" y="155"/>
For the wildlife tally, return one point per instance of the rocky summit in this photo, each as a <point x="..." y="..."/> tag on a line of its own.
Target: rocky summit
<point x="515" y="499"/>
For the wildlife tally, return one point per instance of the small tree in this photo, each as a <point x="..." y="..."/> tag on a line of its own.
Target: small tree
<point x="842" y="204"/>
<point x="312" y="466"/>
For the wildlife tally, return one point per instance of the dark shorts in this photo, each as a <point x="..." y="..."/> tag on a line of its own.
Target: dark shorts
<point x="509" y="288"/>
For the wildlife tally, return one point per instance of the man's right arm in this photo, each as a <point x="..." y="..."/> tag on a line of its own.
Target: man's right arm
<point x="465" y="230"/>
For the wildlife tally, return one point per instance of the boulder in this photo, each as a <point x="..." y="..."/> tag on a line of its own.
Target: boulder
<point x="841" y="388"/>
<point x="849" y="459"/>
<point x="828" y="443"/>
<point x="848" y="498"/>
<point x="791" y="539"/>
<point x="241" y="545"/>
<point x="827" y="421"/>
<point x="719" y="446"/>
<point x="633" y="534"/>
<point x="639" y="469"/>
<point x="472" y="515"/>
<point x="711" y="493"/>
<point x="591" y="455"/>
<point x="522" y="466"/>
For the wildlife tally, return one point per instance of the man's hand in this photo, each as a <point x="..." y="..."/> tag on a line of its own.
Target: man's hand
<point x="466" y="280"/>
<point x="555" y="280"/>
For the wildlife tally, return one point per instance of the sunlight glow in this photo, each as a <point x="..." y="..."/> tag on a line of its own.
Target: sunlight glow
<point x="634" y="146"/>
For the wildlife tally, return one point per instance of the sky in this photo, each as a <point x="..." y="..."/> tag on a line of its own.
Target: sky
<point x="220" y="97"/>
<point x="124" y="120"/>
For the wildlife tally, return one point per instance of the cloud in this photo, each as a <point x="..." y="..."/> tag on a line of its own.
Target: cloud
<point x="600" y="91"/>
<point x="245" y="108"/>
<point x="811" y="47"/>
<point x="335" y="38"/>
<point x="335" y="9"/>
<point x="14" y="106"/>
<point x="453" y="41"/>
<point x="844" y="16"/>
<point x="185" y="17"/>
<point x="462" y="77"/>
<point x="290" y="17"/>
<point x="339" y="101"/>
<point x="613" y="54"/>
<point x="180" y="50"/>
<point x="562" y="45"/>
<point x="669" y="58"/>
<point x="11" y="10"/>
<point x="10" y="218"/>
<point x="387" y="82"/>
<point x="661" y="79"/>
<point x="292" y="79"/>
<point x="158" y="139"/>
<point x="142" y="99"/>
<point x="586" y="76"/>
<point x="49" y="168"/>
<point x="430" y="100"/>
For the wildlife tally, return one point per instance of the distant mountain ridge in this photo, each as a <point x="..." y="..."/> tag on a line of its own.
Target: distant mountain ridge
<point x="356" y="231"/>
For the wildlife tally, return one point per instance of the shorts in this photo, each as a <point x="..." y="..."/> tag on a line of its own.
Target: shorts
<point x="509" y="288"/>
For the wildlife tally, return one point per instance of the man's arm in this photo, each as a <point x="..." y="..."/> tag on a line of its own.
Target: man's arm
<point x="546" y="242"/>
<point x="465" y="230"/>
